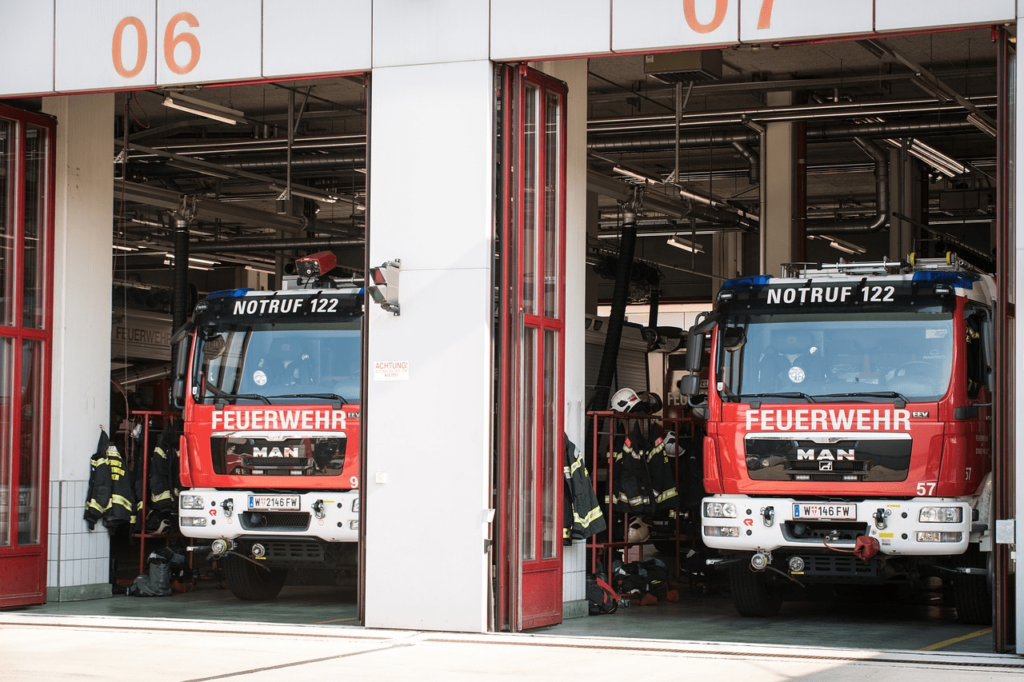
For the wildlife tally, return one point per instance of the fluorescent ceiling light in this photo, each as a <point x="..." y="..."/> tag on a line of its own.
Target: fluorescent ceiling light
<point x="204" y="109"/>
<point x="151" y="223"/>
<point x="192" y="260"/>
<point x="685" y="244"/>
<point x="841" y="245"/>
<point x="982" y="123"/>
<point x="263" y="270"/>
<point x="637" y="173"/>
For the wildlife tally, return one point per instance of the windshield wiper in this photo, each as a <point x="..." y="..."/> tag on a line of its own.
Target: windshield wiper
<point x="323" y="396"/>
<point x="235" y="396"/>
<point x="789" y="394"/>
<point x="869" y="394"/>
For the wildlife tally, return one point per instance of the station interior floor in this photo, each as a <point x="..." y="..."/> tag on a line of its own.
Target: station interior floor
<point x="863" y="619"/>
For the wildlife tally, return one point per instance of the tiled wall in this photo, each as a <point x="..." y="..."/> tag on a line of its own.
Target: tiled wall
<point x="574" y="580"/>
<point x="77" y="557"/>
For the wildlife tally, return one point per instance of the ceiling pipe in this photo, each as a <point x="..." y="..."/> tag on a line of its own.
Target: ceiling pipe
<point x="355" y="158"/>
<point x="798" y="112"/>
<point x="753" y="160"/>
<point x="652" y="141"/>
<point x="881" y="217"/>
<point x="271" y="245"/>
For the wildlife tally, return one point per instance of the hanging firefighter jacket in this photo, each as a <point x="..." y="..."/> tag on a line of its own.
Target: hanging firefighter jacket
<point x="659" y="468"/>
<point x="643" y="477"/>
<point x="582" y="512"/>
<point x="631" y="489"/>
<point x="110" y="487"/>
<point x="164" y="486"/>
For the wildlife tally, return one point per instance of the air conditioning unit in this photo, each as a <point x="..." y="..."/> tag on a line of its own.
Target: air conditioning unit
<point x="684" y="67"/>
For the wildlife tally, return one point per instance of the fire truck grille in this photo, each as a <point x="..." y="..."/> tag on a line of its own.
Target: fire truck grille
<point x="280" y="551"/>
<point x="274" y="521"/>
<point x="864" y="458"/>
<point x="842" y="566"/>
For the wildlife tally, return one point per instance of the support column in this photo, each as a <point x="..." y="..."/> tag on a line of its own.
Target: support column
<point x="777" y="208"/>
<point x="78" y="564"/>
<point x="726" y="257"/>
<point x="428" y="434"/>
<point x="905" y="196"/>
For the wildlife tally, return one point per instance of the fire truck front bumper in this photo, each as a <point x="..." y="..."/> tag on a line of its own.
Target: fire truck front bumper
<point x="916" y="527"/>
<point x="208" y="513"/>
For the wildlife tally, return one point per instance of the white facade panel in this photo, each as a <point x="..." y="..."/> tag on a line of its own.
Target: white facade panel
<point x="666" y="24"/>
<point x="408" y="32"/>
<point x="765" y="20"/>
<point x="523" y="29"/>
<point x="26" y="40"/>
<point x="199" y="42"/>
<point x="429" y="436"/>
<point x="896" y="15"/>
<point x="105" y="45"/>
<point x="316" y="36"/>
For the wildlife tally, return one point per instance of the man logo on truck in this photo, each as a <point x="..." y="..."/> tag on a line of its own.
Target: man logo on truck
<point x="809" y="453"/>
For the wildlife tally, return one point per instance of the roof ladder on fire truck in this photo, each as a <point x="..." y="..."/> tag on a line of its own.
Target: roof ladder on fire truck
<point x="950" y="262"/>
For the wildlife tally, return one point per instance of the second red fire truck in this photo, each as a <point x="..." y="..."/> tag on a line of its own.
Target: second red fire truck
<point x="848" y="429"/>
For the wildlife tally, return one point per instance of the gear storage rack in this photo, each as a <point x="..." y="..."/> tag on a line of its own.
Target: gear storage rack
<point x="603" y="429"/>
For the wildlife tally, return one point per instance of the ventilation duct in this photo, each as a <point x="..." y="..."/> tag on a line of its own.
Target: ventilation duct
<point x="684" y="67"/>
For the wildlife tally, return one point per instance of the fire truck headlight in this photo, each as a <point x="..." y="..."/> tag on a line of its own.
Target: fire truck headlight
<point x="192" y="521"/>
<point x="355" y="506"/>
<point x="721" y="531"/>
<point x="188" y="501"/>
<point x="719" y="510"/>
<point x="941" y="515"/>
<point x="353" y="525"/>
<point x="938" y="536"/>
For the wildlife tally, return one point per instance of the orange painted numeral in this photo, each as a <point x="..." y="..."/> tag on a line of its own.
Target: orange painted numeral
<point x="765" y="19"/>
<point x="721" y="6"/>
<point x="143" y="47"/>
<point x="171" y="41"/>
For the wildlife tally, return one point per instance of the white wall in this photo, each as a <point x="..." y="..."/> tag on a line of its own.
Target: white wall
<point x="81" y="335"/>
<point x="431" y="168"/>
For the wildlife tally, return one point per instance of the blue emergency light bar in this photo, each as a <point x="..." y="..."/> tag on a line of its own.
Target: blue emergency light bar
<point x="229" y="293"/>
<point x="752" y="282"/>
<point x="960" y="280"/>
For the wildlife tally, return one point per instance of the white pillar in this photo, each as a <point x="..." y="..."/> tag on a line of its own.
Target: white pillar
<point x="777" y="227"/>
<point x="427" y="483"/>
<point x="80" y="404"/>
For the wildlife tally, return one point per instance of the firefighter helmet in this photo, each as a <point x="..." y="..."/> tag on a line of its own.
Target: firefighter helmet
<point x="638" y="531"/>
<point x="650" y="402"/>
<point x="625" y="400"/>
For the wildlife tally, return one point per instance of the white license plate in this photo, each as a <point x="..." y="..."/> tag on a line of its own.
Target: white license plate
<point x="825" y="511"/>
<point x="273" y="502"/>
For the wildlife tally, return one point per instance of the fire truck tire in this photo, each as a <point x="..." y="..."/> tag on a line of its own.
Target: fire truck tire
<point x="971" y="595"/>
<point x="250" y="582"/>
<point x="751" y="593"/>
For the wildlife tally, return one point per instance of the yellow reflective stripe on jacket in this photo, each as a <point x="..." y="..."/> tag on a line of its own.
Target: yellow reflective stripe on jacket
<point x="159" y="451"/>
<point x="667" y="495"/>
<point x="165" y="495"/>
<point x="585" y="521"/>
<point x="95" y="505"/>
<point x="123" y="501"/>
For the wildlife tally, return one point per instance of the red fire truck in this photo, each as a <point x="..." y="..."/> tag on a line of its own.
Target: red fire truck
<point x="269" y="384"/>
<point x="848" y="429"/>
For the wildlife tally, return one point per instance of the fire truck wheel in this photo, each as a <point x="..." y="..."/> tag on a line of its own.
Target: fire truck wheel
<point x="971" y="594"/>
<point x="751" y="593"/>
<point x="250" y="582"/>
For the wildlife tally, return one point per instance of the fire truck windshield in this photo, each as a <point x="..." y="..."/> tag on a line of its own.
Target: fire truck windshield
<point x="282" y="363"/>
<point x="833" y="357"/>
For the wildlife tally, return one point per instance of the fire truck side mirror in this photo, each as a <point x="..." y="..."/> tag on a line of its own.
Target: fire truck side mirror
<point x="694" y="350"/>
<point x="182" y="339"/>
<point x="689" y="385"/>
<point x="383" y="285"/>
